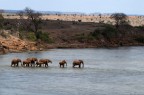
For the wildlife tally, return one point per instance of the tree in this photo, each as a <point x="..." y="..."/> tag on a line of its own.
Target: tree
<point x="1" y="18"/>
<point x="120" y="19"/>
<point x="21" y="14"/>
<point x="34" y="19"/>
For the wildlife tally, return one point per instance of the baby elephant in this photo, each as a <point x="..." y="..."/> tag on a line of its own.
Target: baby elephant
<point x="78" y="62"/>
<point x="15" y="62"/>
<point x="62" y="63"/>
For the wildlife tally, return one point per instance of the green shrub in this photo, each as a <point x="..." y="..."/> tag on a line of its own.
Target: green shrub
<point x="106" y="32"/>
<point x="31" y="36"/>
<point x="44" y="37"/>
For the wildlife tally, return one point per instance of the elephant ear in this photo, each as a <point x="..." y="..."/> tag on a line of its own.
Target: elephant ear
<point x="81" y="61"/>
<point x="18" y="60"/>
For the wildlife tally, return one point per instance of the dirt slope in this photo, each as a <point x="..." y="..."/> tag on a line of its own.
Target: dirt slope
<point x="11" y="43"/>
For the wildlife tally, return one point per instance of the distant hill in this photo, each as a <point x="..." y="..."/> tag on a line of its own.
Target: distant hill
<point x="78" y="13"/>
<point x="44" y="12"/>
<point x="11" y="11"/>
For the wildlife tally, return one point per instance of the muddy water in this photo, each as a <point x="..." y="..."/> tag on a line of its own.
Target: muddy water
<point x="118" y="71"/>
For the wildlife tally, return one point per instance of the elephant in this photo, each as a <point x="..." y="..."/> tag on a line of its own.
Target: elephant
<point x="43" y="62"/>
<point x="78" y="62"/>
<point x="62" y="63"/>
<point x="32" y="61"/>
<point x="15" y="62"/>
<point x="26" y="63"/>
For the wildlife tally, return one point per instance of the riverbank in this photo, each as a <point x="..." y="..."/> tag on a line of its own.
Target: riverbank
<point x="68" y="34"/>
<point x="15" y="45"/>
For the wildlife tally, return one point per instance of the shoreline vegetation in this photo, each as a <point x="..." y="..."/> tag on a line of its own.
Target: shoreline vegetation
<point x="32" y="33"/>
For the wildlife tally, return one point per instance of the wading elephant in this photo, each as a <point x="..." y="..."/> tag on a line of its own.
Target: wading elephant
<point x="26" y="63"/>
<point x="42" y="62"/>
<point x="78" y="62"/>
<point x="32" y="61"/>
<point x="15" y="62"/>
<point x="62" y="63"/>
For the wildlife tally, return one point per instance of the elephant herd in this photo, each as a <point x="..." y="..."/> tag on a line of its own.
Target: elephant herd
<point x="34" y="62"/>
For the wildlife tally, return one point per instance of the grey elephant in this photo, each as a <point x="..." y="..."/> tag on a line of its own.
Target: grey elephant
<point x="42" y="62"/>
<point x="62" y="63"/>
<point x="26" y="63"/>
<point x="78" y="62"/>
<point x="32" y="60"/>
<point x="15" y="62"/>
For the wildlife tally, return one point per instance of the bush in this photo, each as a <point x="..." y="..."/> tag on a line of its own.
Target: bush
<point x="31" y="36"/>
<point x="140" y="27"/>
<point x="110" y="32"/>
<point x="44" y="37"/>
<point x="140" y="39"/>
<point x="80" y="37"/>
<point x="97" y="34"/>
<point x="1" y="21"/>
<point x="106" y="32"/>
<point x="84" y="38"/>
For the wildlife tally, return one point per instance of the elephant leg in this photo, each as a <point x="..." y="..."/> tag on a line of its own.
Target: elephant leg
<point x="79" y="66"/>
<point x="33" y="64"/>
<point x="46" y="65"/>
<point x="73" y="66"/>
<point x="38" y="65"/>
<point x="17" y="64"/>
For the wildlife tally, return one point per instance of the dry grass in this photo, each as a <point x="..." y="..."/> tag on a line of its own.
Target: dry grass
<point x="134" y="20"/>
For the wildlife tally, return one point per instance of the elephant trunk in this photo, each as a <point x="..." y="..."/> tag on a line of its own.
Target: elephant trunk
<point x="50" y="61"/>
<point x="83" y="65"/>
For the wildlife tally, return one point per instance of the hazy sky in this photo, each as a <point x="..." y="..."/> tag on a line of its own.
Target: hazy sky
<point x="86" y="6"/>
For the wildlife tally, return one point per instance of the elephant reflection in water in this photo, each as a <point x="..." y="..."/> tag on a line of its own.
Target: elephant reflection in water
<point x="78" y="62"/>
<point x="62" y="63"/>
<point x="15" y="62"/>
<point x="43" y="62"/>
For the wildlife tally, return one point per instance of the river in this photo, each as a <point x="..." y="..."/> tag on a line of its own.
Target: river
<point x="114" y="71"/>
